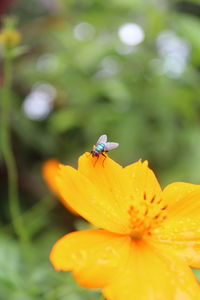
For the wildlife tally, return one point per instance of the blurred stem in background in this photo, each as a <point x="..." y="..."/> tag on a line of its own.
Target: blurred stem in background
<point x="9" y="39"/>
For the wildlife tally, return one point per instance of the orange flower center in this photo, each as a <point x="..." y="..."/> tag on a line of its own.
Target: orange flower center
<point x="146" y="217"/>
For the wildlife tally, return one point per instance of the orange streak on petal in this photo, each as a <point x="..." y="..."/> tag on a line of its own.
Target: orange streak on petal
<point x="94" y="256"/>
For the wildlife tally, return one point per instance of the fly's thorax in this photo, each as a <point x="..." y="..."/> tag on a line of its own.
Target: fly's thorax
<point x="100" y="148"/>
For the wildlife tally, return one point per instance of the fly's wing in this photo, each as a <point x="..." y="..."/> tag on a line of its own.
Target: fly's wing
<point x="102" y="139"/>
<point x="110" y="146"/>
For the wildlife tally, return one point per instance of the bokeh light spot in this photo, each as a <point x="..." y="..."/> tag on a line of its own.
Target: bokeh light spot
<point x="131" y="34"/>
<point x="84" y="31"/>
<point x="39" y="102"/>
<point x="173" y="51"/>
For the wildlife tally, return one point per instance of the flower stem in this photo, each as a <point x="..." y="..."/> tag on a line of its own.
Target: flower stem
<point x="7" y="150"/>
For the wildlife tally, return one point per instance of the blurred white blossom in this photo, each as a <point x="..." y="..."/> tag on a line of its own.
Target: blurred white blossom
<point x="39" y="102"/>
<point x="131" y="34"/>
<point x="173" y="51"/>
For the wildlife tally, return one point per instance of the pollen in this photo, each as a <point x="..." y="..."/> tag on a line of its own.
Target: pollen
<point x="147" y="216"/>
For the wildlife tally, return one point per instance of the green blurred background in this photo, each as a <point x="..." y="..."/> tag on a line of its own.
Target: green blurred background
<point x="129" y="69"/>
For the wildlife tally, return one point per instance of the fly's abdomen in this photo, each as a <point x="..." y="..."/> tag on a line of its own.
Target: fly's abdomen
<point x="100" y="147"/>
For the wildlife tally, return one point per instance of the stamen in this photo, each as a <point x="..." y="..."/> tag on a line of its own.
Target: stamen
<point x="159" y="201"/>
<point x="131" y="209"/>
<point x="164" y="218"/>
<point x="157" y="216"/>
<point x="153" y="198"/>
<point x="164" y="207"/>
<point x="146" y="216"/>
<point x="146" y="211"/>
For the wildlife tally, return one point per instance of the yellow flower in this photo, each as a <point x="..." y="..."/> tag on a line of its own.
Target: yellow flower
<point x="147" y="239"/>
<point x="10" y="38"/>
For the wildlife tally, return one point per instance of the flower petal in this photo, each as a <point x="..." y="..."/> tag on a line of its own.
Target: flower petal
<point x="93" y="256"/>
<point x="110" y="180"/>
<point x="49" y="171"/>
<point x="143" y="180"/>
<point x="153" y="274"/>
<point x="176" y="191"/>
<point x="181" y="229"/>
<point x="85" y="198"/>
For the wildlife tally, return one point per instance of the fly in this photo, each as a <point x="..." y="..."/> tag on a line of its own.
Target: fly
<point x="103" y="146"/>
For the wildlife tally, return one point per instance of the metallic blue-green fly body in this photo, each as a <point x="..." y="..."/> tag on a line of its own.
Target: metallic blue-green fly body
<point x="102" y="146"/>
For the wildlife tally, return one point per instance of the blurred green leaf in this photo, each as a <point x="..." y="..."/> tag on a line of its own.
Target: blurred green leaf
<point x="64" y="120"/>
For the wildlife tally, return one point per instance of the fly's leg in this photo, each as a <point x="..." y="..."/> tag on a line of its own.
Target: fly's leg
<point x="95" y="161"/>
<point x="104" y="158"/>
